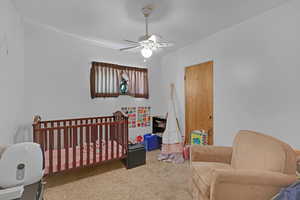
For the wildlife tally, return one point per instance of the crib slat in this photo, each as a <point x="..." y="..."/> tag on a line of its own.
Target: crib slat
<point x="112" y="141"/>
<point x="66" y="142"/>
<point x="122" y="134"/>
<point x="51" y="142"/>
<point x="74" y="146"/>
<point x="76" y="141"/>
<point x="88" y="144"/>
<point x="70" y="135"/>
<point x="126" y="137"/>
<point x="124" y="131"/>
<point x="120" y="142"/>
<point x="58" y="150"/>
<point x="94" y="143"/>
<point x="46" y="138"/>
<point x="100" y="142"/>
<point x="95" y="133"/>
<point x="98" y="152"/>
<point x="117" y="139"/>
<point x="81" y="145"/>
<point x="106" y="142"/>
<point x="125" y="140"/>
<point x="42" y="139"/>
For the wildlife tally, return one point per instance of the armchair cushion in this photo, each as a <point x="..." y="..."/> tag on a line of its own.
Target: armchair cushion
<point x="248" y="184"/>
<point x="203" y="174"/>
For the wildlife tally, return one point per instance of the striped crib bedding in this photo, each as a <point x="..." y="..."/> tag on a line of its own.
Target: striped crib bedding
<point x="106" y="151"/>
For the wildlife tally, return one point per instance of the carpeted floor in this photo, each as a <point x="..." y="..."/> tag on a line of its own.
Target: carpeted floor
<point x="111" y="181"/>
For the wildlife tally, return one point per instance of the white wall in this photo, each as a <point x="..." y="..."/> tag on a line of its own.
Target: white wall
<point x="11" y="71"/>
<point x="57" y="78"/>
<point x="256" y="75"/>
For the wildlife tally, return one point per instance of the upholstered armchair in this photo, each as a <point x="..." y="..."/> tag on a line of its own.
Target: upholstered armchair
<point x="254" y="168"/>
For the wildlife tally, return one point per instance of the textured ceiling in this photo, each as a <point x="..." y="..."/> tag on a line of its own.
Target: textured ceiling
<point x="181" y="21"/>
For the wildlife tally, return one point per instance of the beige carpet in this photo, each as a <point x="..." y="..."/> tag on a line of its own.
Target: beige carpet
<point x="111" y="181"/>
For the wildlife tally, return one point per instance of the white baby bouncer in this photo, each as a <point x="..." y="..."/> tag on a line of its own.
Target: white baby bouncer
<point x="21" y="172"/>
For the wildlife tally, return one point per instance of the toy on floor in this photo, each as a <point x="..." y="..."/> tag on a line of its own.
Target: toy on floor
<point x="139" y="139"/>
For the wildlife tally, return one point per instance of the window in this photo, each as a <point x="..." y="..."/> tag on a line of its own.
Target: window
<point x="111" y="80"/>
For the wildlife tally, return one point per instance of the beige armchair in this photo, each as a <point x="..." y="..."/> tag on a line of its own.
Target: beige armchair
<point x="256" y="167"/>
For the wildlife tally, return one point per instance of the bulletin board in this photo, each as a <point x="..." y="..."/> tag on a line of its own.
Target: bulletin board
<point x="131" y="114"/>
<point x="143" y="117"/>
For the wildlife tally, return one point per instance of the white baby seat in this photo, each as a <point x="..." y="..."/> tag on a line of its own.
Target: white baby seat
<point x="21" y="165"/>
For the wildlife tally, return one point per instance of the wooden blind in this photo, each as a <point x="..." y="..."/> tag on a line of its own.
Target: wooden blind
<point x="105" y="80"/>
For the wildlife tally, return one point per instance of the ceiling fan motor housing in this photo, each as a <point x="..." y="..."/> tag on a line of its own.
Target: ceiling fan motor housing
<point x="143" y="38"/>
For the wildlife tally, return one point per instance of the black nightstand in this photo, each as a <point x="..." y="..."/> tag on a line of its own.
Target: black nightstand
<point x="136" y="156"/>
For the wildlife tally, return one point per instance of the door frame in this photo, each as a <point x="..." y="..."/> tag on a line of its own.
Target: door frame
<point x="210" y="132"/>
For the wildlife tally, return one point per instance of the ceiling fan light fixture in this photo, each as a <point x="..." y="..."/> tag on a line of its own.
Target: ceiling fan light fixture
<point x="148" y="43"/>
<point x="146" y="52"/>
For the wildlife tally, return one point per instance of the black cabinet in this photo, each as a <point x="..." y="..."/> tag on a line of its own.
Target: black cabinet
<point x="136" y="156"/>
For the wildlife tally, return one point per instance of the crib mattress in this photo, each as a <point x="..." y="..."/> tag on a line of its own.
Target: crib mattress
<point x="113" y="151"/>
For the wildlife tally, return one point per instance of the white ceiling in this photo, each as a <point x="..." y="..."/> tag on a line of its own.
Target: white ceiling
<point x="181" y="21"/>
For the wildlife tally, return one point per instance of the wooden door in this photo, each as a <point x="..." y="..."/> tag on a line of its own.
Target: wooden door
<point x="199" y="99"/>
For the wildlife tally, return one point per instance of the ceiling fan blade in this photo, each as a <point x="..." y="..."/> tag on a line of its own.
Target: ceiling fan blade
<point x="130" y="41"/>
<point x="129" y="48"/>
<point x="165" y="44"/>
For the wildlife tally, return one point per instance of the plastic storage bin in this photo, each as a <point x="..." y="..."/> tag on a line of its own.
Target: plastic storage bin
<point x="151" y="142"/>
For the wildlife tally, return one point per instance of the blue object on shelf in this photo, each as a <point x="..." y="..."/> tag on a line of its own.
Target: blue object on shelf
<point x="151" y="142"/>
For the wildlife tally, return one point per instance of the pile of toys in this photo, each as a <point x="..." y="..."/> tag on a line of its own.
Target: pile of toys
<point x="150" y="141"/>
<point x="199" y="137"/>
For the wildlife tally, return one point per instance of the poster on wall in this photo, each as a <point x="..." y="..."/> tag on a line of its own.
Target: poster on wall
<point x="131" y="113"/>
<point x="143" y="118"/>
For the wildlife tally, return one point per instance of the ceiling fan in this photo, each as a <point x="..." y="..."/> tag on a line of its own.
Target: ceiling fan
<point x="147" y="43"/>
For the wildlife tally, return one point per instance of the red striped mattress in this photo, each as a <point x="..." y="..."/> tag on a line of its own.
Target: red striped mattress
<point x="112" y="148"/>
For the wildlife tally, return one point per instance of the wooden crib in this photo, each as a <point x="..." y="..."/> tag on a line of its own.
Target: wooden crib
<point x="72" y="143"/>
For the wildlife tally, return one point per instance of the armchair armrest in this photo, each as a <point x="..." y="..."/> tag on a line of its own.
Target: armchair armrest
<point x="211" y="154"/>
<point x="248" y="184"/>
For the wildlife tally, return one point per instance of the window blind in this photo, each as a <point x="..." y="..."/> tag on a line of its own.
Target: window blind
<point x="105" y="80"/>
